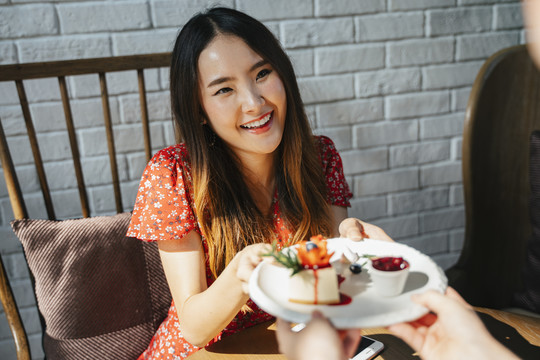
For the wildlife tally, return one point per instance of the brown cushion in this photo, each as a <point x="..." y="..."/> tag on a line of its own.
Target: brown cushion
<point x="101" y="294"/>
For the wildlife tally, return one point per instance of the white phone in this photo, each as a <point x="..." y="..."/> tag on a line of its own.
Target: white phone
<point x="367" y="349"/>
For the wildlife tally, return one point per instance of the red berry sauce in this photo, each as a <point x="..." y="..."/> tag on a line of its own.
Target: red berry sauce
<point x="343" y="300"/>
<point x="389" y="263"/>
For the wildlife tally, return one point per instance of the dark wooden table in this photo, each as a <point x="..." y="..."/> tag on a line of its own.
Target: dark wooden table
<point x="519" y="333"/>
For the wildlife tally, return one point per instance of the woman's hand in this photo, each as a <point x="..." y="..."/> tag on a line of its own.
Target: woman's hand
<point x="453" y="332"/>
<point x="248" y="259"/>
<point x="184" y="265"/>
<point x="318" y="340"/>
<point x="357" y="230"/>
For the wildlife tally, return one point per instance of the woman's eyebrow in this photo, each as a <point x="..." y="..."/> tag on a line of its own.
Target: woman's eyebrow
<point x="221" y="80"/>
<point x="258" y="64"/>
<point x="218" y="81"/>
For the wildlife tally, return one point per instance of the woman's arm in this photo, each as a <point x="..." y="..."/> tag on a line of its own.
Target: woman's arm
<point x="353" y="228"/>
<point x="202" y="311"/>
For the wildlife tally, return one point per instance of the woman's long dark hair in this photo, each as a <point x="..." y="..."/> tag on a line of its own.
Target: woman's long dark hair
<point x="228" y="216"/>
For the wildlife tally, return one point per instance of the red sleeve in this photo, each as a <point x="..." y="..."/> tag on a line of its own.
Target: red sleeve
<point x="162" y="209"/>
<point x="338" y="190"/>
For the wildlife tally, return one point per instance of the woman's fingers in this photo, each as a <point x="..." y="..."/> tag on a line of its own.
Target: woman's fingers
<point x="436" y="302"/>
<point x="426" y="320"/>
<point x="375" y="232"/>
<point x="350" y="339"/>
<point x="250" y="257"/>
<point x="283" y="326"/>
<point x="453" y="294"/>
<point x="357" y="230"/>
<point x="409" y="334"/>
<point x="353" y="229"/>
<point x="285" y="336"/>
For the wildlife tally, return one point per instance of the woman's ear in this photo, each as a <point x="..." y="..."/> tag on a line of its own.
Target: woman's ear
<point x="203" y="118"/>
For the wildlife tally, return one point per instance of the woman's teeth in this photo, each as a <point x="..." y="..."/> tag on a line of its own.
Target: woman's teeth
<point x="258" y="123"/>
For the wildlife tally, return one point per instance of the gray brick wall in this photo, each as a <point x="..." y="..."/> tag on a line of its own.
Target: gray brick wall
<point x="387" y="80"/>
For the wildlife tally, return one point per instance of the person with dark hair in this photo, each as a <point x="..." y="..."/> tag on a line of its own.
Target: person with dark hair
<point x="246" y="172"/>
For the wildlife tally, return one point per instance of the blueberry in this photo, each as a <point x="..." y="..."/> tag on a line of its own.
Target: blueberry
<point x="310" y="246"/>
<point x="355" y="268"/>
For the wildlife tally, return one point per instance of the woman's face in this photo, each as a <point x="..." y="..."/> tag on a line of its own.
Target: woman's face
<point x="242" y="95"/>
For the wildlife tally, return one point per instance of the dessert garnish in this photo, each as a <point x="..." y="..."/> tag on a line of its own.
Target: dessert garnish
<point x="351" y="261"/>
<point x="286" y="258"/>
<point x="311" y="254"/>
<point x="355" y="268"/>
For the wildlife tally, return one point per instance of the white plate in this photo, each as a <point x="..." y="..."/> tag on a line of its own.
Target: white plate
<point x="268" y="289"/>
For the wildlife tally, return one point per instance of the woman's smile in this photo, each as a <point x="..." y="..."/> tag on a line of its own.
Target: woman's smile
<point x="260" y="125"/>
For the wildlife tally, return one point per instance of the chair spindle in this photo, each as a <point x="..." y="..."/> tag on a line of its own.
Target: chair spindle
<point x="74" y="147"/>
<point x="35" y="150"/>
<point x="12" y="183"/>
<point x="144" y="114"/>
<point x="13" y="317"/>
<point x="110" y="142"/>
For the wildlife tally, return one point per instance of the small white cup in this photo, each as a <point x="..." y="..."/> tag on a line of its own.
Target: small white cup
<point x="389" y="283"/>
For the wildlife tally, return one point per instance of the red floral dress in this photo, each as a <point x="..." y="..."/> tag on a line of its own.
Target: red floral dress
<point x="163" y="211"/>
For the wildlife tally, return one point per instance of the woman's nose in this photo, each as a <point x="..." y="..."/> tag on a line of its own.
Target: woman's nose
<point x="252" y="100"/>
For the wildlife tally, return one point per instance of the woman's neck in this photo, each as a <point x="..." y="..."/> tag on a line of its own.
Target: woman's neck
<point x="261" y="181"/>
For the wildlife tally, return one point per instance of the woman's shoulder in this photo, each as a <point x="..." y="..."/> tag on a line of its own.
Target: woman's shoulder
<point x="325" y="144"/>
<point x="172" y="155"/>
<point x="168" y="162"/>
<point x="173" y="152"/>
<point x="328" y="153"/>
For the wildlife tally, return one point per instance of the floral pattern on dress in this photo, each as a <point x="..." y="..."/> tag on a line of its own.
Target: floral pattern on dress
<point x="163" y="211"/>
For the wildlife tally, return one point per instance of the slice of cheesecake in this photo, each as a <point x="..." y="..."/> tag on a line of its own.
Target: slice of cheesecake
<point x="314" y="286"/>
<point x="312" y="279"/>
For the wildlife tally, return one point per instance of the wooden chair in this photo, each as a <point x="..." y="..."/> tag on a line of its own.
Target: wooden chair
<point x="503" y="110"/>
<point x="62" y="70"/>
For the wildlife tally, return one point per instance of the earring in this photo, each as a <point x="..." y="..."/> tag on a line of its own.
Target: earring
<point x="210" y="135"/>
<point x="213" y="139"/>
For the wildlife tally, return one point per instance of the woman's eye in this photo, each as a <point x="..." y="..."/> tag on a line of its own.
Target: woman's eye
<point x="263" y="73"/>
<point x="223" y="91"/>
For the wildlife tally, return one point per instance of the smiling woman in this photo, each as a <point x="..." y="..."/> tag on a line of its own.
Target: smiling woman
<point x="247" y="172"/>
<point x="244" y="101"/>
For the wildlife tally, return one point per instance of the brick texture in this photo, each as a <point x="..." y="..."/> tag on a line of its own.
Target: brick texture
<point x="387" y="80"/>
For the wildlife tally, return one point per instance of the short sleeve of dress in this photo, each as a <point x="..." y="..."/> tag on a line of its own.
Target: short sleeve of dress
<point x="338" y="189"/>
<point x="162" y="208"/>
